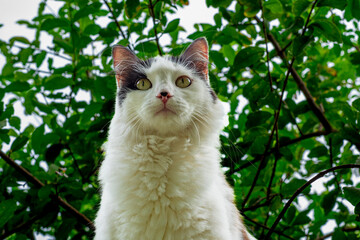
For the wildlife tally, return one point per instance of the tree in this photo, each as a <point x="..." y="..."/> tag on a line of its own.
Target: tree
<point x="294" y="64"/>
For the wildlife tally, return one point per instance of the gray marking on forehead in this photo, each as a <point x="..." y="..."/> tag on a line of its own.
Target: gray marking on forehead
<point x="132" y="74"/>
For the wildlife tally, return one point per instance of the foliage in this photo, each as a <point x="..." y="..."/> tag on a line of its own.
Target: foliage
<point x="286" y="125"/>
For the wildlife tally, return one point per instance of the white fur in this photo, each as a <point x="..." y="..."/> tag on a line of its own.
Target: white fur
<point x="161" y="177"/>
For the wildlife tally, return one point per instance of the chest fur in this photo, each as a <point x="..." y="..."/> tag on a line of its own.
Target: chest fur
<point x="161" y="188"/>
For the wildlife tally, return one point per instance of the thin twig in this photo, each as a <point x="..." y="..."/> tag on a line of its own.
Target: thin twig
<point x="344" y="229"/>
<point x="47" y="51"/>
<point x="357" y="48"/>
<point x="75" y="161"/>
<point x="290" y="142"/>
<point x="332" y="163"/>
<point x="152" y="14"/>
<point x="115" y="20"/>
<point x="266" y="45"/>
<point x="302" y="188"/>
<point x="262" y="161"/>
<point x="308" y="18"/>
<point x="265" y="227"/>
<point x="32" y="179"/>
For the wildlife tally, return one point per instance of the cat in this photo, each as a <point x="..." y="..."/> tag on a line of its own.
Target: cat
<point x="161" y="176"/>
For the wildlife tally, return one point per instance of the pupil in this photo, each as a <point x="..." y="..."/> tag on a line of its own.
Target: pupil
<point x="143" y="83"/>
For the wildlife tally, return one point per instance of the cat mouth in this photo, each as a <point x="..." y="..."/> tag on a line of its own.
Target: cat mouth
<point x="165" y="111"/>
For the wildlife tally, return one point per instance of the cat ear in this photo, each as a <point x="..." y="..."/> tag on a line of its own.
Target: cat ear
<point x="198" y="54"/>
<point x="123" y="58"/>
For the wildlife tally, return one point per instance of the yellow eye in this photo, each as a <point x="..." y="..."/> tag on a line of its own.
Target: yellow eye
<point x="183" y="82"/>
<point x="143" y="84"/>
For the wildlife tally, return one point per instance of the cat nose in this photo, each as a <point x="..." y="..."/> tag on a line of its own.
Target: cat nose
<point x="164" y="96"/>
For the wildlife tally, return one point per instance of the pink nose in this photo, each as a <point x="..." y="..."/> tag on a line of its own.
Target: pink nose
<point x="164" y="96"/>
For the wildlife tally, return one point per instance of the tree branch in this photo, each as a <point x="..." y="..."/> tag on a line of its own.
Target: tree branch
<point x="302" y="188"/>
<point x="32" y="179"/>
<point x="309" y="98"/>
<point x="152" y="14"/>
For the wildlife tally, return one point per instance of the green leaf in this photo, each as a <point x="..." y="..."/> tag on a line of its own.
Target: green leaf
<point x="37" y="140"/>
<point x="338" y="234"/>
<point x="332" y="3"/>
<point x="328" y="29"/>
<point x="300" y="43"/>
<point x="357" y="212"/>
<point x="218" y="3"/>
<point x="7" y="210"/>
<point x="318" y="152"/>
<point x="24" y="55"/>
<point x="92" y="29"/>
<point x="40" y="58"/>
<point x="355" y="58"/>
<point x="148" y="47"/>
<point x="86" y="11"/>
<point x="355" y="8"/>
<point x="18" y="39"/>
<point x="8" y="70"/>
<point x="15" y="122"/>
<point x="17" y="87"/>
<point x="328" y="201"/>
<point x="57" y="82"/>
<point x="352" y="194"/>
<point x="301" y="219"/>
<point x="4" y="136"/>
<point x="66" y="45"/>
<point x="229" y="53"/>
<point x="131" y="8"/>
<point x="218" y="59"/>
<point x="53" y="152"/>
<point x="52" y="23"/>
<point x="257" y="118"/>
<point x="299" y="6"/>
<point x="291" y="187"/>
<point x="290" y="214"/>
<point x="44" y="193"/>
<point x="19" y="142"/>
<point x="248" y="56"/>
<point x="274" y="6"/>
<point x="172" y="26"/>
<point x="356" y="104"/>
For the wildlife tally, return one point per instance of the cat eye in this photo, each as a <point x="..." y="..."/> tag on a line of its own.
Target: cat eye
<point x="183" y="82"/>
<point x="143" y="84"/>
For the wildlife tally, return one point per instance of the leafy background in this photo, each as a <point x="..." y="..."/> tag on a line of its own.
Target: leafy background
<point x="288" y="70"/>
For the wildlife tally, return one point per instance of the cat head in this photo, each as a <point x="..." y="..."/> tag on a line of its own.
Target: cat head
<point x="166" y="95"/>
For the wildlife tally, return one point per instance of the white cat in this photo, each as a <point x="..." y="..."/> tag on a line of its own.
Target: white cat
<point x="161" y="177"/>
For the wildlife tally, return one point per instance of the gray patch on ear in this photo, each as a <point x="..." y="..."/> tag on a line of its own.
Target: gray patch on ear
<point x="131" y="75"/>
